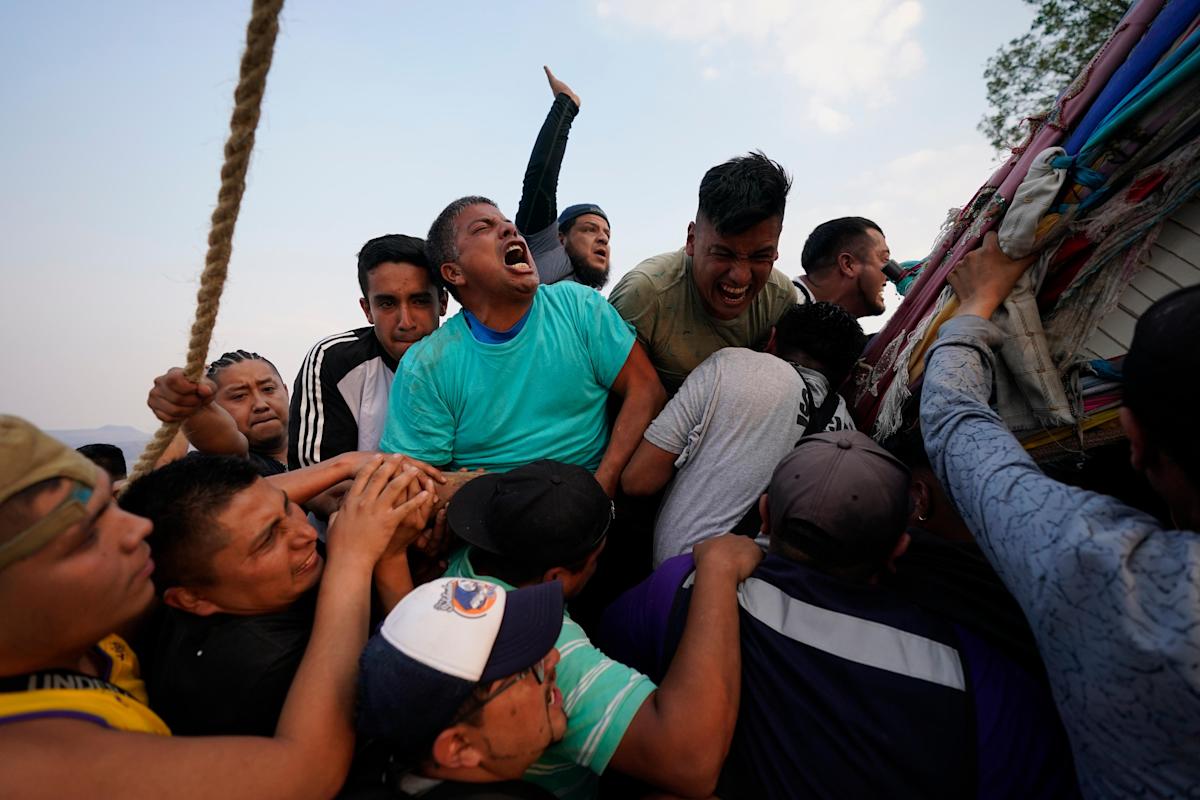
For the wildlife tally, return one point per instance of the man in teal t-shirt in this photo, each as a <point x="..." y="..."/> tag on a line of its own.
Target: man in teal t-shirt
<point x="523" y="372"/>
<point x="548" y="521"/>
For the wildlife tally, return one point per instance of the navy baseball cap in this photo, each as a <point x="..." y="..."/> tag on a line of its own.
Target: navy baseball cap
<point x="441" y="641"/>
<point x="553" y="512"/>
<point x="578" y="210"/>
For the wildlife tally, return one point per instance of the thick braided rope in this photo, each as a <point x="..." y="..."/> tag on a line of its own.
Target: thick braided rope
<point x="256" y="62"/>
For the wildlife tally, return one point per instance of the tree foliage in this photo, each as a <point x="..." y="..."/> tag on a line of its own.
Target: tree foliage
<point x="1026" y="75"/>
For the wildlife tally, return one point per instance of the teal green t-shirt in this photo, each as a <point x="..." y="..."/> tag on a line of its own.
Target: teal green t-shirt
<point x="463" y="403"/>
<point x="600" y="698"/>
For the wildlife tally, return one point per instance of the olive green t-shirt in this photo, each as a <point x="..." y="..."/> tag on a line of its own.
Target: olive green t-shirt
<point x="659" y="298"/>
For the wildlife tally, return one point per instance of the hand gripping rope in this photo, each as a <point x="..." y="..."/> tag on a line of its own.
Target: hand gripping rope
<point x="252" y="82"/>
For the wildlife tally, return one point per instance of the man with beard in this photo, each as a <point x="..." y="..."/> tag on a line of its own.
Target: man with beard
<point x="843" y="262"/>
<point x="575" y="245"/>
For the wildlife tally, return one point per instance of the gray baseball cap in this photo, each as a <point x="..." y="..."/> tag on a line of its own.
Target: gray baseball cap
<point x="838" y="496"/>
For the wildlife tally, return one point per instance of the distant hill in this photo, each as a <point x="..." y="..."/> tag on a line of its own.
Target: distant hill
<point x="130" y="440"/>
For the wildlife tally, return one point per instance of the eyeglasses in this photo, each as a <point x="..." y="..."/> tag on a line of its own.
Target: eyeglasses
<point x="539" y="675"/>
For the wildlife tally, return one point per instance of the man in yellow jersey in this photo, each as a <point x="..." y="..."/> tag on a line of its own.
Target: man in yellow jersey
<point x="74" y="568"/>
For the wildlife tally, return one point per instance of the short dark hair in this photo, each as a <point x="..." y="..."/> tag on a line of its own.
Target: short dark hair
<point x="830" y="239"/>
<point x="236" y="357"/>
<point x="524" y="569"/>
<point x="1161" y="371"/>
<point x="825" y="332"/>
<point x="183" y="500"/>
<point x="439" y="244"/>
<point x="108" y="457"/>
<point x="392" y="248"/>
<point x="742" y="192"/>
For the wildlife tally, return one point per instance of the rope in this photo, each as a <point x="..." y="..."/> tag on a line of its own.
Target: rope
<point x="252" y="82"/>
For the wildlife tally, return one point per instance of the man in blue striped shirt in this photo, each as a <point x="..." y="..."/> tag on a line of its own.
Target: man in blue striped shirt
<point x="549" y="521"/>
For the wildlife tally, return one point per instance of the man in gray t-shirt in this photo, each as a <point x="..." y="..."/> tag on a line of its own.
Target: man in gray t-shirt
<point x="735" y="417"/>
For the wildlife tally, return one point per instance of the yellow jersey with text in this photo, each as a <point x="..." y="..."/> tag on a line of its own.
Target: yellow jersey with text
<point x="117" y="699"/>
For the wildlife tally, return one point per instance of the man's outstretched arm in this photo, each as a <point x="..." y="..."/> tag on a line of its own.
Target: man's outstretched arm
<point x="681" y="735"/>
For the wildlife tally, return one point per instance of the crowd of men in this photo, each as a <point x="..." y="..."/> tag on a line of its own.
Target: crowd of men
<point x="563" y="545"/>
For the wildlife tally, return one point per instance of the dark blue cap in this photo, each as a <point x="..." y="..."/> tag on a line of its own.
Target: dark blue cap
<point x="578" y="210"/>
<point x="441" y="641"/>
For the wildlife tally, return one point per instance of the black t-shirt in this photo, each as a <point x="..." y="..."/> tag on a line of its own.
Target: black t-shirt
<point x="225" y="674"/>
<point x="266" y="465"/>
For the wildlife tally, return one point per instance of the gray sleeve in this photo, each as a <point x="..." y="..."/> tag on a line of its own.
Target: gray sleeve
<point x="1104" y="587"/>
<point x="678" y="427"/>
<point x="549" y="255"/>
<point x="1014" y="510"/>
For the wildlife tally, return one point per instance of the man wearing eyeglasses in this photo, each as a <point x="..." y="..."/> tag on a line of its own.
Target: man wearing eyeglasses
<point x="458" y="689"/>
<point x="721" y="289"/>
<point x="548" y="522"/>
<point x="847" y="261"/>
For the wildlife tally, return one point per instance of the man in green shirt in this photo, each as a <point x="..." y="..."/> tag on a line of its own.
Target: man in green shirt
<point x="722" y="288"/>
<point x="548" y="521"/>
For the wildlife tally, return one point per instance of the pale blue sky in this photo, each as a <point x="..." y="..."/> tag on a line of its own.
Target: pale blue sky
<point x="379" y="113"/>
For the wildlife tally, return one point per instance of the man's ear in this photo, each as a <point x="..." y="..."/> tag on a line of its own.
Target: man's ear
<point x="189" y="601"/>
<point x="1137" y="439"/>
<point x="571" y="581"/>
<point x="452" y="274"/>
<point x="557" y="574"/>
<point x="847" y="265"/>
<point x="922" y="501"/>
<point x="453" y="750"/>
<point x="765" y="514"/>
<point x="366" y="307"/>
<point x="690" y="246"/>
<point x="443" y="302"/>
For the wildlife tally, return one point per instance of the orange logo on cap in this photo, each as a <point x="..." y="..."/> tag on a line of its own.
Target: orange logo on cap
<point x="467" y="598"/>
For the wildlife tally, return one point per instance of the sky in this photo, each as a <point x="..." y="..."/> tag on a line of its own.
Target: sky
<point x="377" y="114"/>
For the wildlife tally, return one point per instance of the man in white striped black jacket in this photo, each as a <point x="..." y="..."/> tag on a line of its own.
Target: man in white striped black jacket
<point x="340" y="398"/>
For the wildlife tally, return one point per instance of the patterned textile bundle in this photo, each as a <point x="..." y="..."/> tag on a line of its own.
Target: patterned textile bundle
<point x="1088" y="192"/>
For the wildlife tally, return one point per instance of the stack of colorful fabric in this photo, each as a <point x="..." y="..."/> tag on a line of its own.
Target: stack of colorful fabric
<point x="1104" y="191"/>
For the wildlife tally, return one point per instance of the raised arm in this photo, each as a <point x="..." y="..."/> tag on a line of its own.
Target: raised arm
<point x="680" y="736"/>
<point x="1002" y="495"/>
<point x="209" y="428"/>
<point x="538" y="208"/>
<point x="642" y="397"/>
